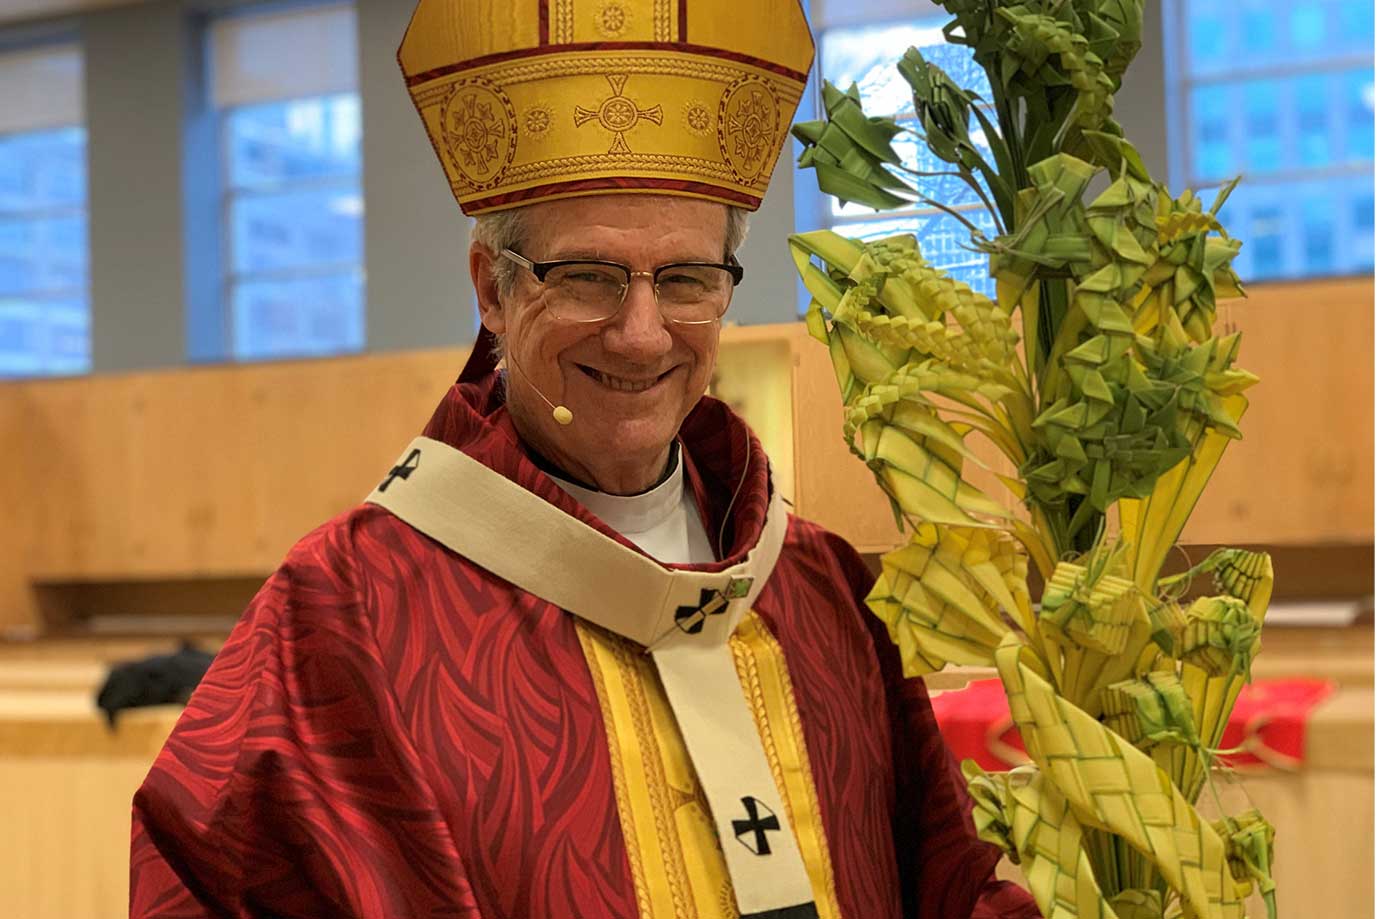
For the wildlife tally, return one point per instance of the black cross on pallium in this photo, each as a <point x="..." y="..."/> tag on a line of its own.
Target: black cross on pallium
<point x="691" y="618"/>
<point x="403" y="471"/>
<point x="756" y="826"/>
<point x="711" y="603"/>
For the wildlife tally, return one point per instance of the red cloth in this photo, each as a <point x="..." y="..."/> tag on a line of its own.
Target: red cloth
<point x="976" y="724"/>
<point x="1269" y="717"/>
<point x="391" y="731"/>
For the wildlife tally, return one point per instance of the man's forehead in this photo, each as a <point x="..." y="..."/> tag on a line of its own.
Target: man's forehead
<point x="584" y="226"/>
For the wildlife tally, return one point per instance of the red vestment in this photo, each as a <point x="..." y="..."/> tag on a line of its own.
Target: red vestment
<point x="391" y="731"/>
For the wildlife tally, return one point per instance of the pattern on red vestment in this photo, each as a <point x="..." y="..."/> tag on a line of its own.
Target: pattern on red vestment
<point x="392" y="731"/>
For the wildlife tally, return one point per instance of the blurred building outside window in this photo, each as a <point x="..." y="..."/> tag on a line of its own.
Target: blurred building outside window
<point x="45" y="311"/>
<point x="1282" y="95"/>
<point x="284" y="86"/>
<point x="866" y="54"/>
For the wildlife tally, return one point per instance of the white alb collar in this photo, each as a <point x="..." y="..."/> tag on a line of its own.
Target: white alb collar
<point x="632" y="515"/>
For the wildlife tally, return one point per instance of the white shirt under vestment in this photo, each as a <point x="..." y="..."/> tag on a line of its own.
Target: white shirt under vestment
<point x="663" y="522"/>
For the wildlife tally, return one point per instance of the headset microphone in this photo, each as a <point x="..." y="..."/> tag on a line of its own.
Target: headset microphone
<point x="561" y="414"/>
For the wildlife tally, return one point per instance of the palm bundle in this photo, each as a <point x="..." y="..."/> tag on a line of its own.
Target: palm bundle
<point x="1096" y="375"/>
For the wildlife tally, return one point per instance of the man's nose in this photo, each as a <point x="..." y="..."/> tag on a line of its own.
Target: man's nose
<point x="639" y="332"/>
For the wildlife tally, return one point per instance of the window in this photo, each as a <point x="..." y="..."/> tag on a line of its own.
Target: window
<point x="292" y="220"/>
<point x="1281" y="94"/>
<point x="45" y="313"/>
<point x="866" y="55"/>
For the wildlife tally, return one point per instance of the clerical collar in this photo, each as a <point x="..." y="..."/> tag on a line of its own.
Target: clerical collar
<point x="631" y="515"/>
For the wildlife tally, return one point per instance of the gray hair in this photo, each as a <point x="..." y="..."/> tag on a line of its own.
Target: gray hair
<point x="508" y="230"/>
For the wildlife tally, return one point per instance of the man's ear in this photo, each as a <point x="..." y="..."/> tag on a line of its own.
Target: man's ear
<point x="486" y="286"/>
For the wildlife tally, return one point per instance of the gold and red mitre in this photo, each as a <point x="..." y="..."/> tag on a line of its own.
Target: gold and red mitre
<point x="528" y="100"/>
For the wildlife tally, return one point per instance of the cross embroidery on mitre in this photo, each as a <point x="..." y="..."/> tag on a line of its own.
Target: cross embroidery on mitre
<point x="618" y="114"/>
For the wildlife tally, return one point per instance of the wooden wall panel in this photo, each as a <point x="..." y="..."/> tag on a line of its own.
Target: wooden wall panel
<point x="833" y="487"/>
<point x="197" y="473"/>
<point x="755" y="375"/>
<point x="215" y="472"/>
<point x="19" y="492"/>
<point x="1304" y="471"/>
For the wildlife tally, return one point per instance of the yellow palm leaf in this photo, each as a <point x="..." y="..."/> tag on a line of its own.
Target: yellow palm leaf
<point x="1150" y="526"/>
<point x="941" y="595"/>
<point x="1113" y="786"/>
<point x="1027" y="817"/>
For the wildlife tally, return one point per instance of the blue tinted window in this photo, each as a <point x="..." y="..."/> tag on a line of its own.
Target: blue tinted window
<point x="1354" y="29"/>
<point x="1318" y="235"/>
<point x="867" y="56"/>
<point x="294" y="226"/>
<point x="43" y="169"/>
<point x="1307" y="26"/>
<point x="304" y="316"/>
<point x="1360" y="236"/>
<point x="1262" y="124"/>
<point x="303" y="228"/>
<point x="1266" y="227"/>
<point x="1301" y="136"/>
<point x="1258" y="23"/>
<point x="44" y="305"/>
<point x="1363" y="213"/>
<point x="1358" y="102"/>
<point x="1313" y="121"/>
<point x="1298" y="229"/>
<point x="293" y="141"/>
<point x="1209" y="37"/>
<point x="1210" y="113"/>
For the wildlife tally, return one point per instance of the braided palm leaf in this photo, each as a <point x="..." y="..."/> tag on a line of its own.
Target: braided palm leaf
<point x="1096" y="373"/>
<point x="1151" y="525"/>
<point x="1249" y="841"/>
<point x="922" y="476"/>
<point x="1150" y="710"/>
<point x="942" y="594"/>
<point x="1035" y="826"/>
<point x="1114" y="30"/>
<point x="1112" y="786"/>
<point x="1048" y="53"/>
<point x="1191" y="269"/>
<point x="1246" y="578"/>
<point x="1099" y="623"/>
<point x="847" y="151"/>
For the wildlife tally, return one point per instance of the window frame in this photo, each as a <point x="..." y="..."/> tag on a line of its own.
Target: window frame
<point x="47" y="365"/>
<point x="229" y="194"/>
<point x="1179" y="85"/>
<point x="331" y="80"/>
<point x="813" y="208"/>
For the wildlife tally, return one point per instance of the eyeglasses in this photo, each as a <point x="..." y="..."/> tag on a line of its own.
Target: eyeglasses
<point x="586" y="290"/>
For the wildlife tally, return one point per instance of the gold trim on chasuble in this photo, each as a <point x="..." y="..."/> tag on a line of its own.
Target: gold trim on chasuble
<point x="689" y="618"/>
<point x="676" y="862"/>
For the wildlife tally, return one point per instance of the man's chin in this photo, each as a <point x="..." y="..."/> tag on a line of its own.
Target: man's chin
<point x="636" y="434"/>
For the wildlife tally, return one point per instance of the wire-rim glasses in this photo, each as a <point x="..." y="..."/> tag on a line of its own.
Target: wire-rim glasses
<point x="592" y="290"/>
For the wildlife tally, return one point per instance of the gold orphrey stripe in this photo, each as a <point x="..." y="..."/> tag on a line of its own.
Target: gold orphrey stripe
<point x="677" y="866"/>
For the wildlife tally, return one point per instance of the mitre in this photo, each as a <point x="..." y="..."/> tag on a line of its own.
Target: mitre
<point x="539" y="99"/>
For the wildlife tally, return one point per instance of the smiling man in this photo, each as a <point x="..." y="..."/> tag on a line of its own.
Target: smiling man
<point x="573" y="657"/>
<point x="551" y="277"/>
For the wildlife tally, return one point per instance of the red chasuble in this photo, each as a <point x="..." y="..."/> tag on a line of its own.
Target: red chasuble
<point x="393" y="731"/>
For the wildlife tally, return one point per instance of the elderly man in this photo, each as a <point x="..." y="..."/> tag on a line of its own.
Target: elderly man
<point x="573" y="658"/>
